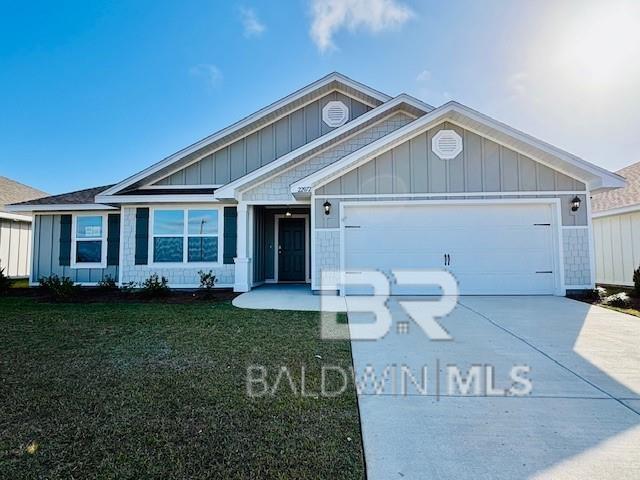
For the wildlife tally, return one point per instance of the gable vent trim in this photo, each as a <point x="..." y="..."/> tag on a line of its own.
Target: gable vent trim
<point x="335" y="114"/>
<point x="446" y="144"/>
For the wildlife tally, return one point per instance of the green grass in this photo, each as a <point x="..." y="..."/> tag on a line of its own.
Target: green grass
<point x="159" y="391"/>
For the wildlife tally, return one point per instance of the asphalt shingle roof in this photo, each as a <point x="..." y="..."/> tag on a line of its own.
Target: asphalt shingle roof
<point x="620" y="197"/>
<point x="71" y="198"/>
<point x="12" y="192"/>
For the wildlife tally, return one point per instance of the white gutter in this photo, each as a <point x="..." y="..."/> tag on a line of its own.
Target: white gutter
<point x="617" y="211"/>
<point x="58" y="207"/>
<point x="13" y="216"/>
<point x="175" y="198"/>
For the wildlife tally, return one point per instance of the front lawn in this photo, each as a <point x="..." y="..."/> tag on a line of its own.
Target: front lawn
<point x="159" y="390"/>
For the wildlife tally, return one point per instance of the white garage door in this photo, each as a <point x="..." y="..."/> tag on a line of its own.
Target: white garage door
<point x="491" y="249"/>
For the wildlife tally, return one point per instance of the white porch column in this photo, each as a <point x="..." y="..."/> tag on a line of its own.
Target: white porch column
<point x="243" y="257"/>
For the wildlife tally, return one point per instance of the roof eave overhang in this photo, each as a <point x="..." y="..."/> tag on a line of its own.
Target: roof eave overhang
<point x="59" y="207"/>
<point x="15" y="217"/>
<point x="617" y="211"/>
<point x="594" y="177"/>
<point x="138" y="199"/>
<point x="232" y="191"/>
<point x="328" y="79"/>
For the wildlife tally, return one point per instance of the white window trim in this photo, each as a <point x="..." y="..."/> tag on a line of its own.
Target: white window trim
<point x="185" y="236"/>
<point x="74" y="240"/>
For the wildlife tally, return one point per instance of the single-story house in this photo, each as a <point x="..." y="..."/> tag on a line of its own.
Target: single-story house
<point x="15" y="229"/>
<point x="616" y="228"/>
<point x="338" y="176"/>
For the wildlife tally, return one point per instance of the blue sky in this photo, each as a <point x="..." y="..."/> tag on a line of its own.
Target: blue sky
<point x="93" y="92"/>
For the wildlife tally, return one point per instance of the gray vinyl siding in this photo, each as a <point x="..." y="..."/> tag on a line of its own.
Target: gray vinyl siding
<point x="263" y="146"/>
<point x="46" y="252"/>
<point x="483" y="166"/>
<point x="15" y="247"/>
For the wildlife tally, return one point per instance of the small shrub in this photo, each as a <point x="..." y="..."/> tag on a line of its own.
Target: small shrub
<point x="207" y="280"/>
<point x="592" y="296"/>
<point x="636" y="282"/>
<point x="5" y="282"/>
<point x="107" y="283"/>
<point x="619" y="300"/>
<point x="155" y="286"/>
<point x="61" y="288"/>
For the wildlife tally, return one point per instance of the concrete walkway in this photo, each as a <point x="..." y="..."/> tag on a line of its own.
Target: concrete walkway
<point x="581" y="419"/>
<point x="283" y="297"/>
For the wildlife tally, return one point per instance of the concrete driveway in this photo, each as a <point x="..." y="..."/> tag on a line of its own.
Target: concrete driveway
<point x="580" y="420"/>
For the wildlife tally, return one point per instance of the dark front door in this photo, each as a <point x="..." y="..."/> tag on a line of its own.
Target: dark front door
<point x="291" y="254"/>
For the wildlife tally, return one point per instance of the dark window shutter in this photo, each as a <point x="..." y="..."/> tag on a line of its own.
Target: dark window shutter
<point x="142" y="236"/>
<point x="230" y="234"/>
<point x="65" y="240"/>
<point x="113" y="239"/>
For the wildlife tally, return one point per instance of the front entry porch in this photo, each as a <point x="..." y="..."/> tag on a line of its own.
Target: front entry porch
<point x="277" y="245"/>
<point x="285" y="296"/>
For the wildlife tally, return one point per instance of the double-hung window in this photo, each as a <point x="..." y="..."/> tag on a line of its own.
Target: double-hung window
<point x="185" y="236"/>
<point x="88" y="241"/>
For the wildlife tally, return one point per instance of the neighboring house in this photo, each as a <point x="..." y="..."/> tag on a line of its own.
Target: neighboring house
<point x="15" y="229"/>
<point x="338" y="176"/>
<point x="616" y="227"/>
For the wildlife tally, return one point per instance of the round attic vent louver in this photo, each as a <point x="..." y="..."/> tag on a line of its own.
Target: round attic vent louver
<point x="335" y="114"/>
<point x="446" y="144"/>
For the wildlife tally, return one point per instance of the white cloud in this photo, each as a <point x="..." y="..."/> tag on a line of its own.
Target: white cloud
<point x="329" y="16"/>
<point x="424" y="76"/>
<point x="252" y="25"/>
<point x="209" y="72"/>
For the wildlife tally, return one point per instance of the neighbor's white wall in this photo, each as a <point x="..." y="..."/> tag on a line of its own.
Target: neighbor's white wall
<point x="186" y="276"/>
<point x="617" y="245"/>
<point x="15" y="247"/>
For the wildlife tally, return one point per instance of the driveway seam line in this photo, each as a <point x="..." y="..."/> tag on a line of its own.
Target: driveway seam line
<point x="549" y="357"/>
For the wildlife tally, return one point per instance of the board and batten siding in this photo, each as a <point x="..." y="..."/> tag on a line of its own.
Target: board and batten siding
<point x="46" y="253"/>
<point x="15" y="247"/>
<point x="482" y="166"/>
<point x="263" y="146"/>
<point x="617" y="246"/>
<point x="483" y="170"/>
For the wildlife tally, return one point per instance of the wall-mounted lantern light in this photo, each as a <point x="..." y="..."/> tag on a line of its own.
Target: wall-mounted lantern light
<point x="575" y="204"/>
<point x="327" y="207"/>
<point x="287" y="213"/>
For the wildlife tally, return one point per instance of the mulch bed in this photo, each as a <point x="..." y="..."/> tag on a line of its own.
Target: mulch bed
<point x="97" y="295"/>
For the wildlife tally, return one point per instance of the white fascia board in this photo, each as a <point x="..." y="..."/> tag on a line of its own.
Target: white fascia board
<point x="191" y="198"/>
<point x="13" y="216"/>
<point x="59" y="207"/>
<point x="245" y="122"/>
<point x="230" y="190"/>
<point x="608" y="179"/>
<point x="304" y="186"/>
<point x="617" y="211"/>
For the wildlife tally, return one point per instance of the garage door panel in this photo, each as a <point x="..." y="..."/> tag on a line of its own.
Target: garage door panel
<point x="494" y="249"/>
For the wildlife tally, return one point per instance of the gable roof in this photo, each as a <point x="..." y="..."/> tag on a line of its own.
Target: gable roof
<point x="595" y="177"/>
<point x="79" y="199"/>
<point x="12" y="192"/>
<point x="622" y="198"/>
<point x="333" y="81"/>
<point x="402" y="102"/>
